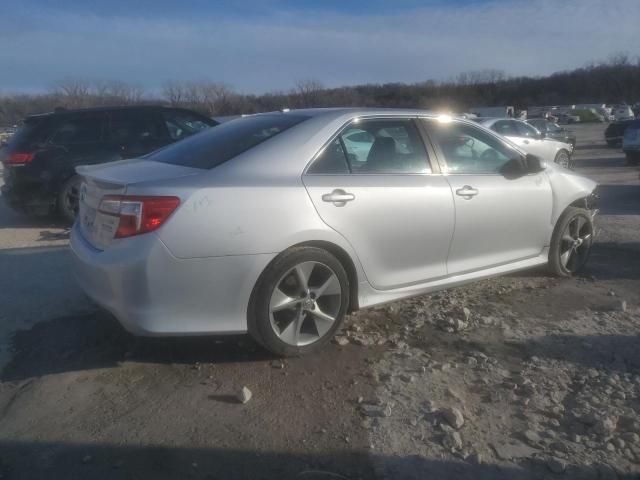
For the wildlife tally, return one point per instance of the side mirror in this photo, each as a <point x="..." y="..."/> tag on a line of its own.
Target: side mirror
<point x="533" y="163"/>
<point x="514" y="168"/>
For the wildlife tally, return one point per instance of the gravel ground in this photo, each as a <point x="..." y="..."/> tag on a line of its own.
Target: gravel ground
<point x="524" y="376"/>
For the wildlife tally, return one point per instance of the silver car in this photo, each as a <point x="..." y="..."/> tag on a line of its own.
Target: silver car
<point x="531" y="140"/>
<point x="271" y="225"/>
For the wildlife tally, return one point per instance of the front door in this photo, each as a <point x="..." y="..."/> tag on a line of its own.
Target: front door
<point x="386" y="201"/>
<point x="499" y="219"/>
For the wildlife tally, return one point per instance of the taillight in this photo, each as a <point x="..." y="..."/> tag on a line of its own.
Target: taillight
<point x="138" y="214"/>
<point x="19" y="158"/>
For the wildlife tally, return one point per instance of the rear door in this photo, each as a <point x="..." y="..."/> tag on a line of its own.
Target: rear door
<point x="499" y="219"/>
<point x="387" y="199"/>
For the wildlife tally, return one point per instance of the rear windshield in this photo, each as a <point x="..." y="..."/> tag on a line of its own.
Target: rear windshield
<point x="31" y="133"/>
<point x="219" y="144"/>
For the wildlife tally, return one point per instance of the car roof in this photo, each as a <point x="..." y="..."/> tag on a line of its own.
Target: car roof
<point x="72" y="111"/>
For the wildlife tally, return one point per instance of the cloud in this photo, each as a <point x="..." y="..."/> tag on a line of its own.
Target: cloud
<point x="271" y="51"/>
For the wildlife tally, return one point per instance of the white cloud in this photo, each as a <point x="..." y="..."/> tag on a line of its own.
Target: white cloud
<point x="531" y="37"/>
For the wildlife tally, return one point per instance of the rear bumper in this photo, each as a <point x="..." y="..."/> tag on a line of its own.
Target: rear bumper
<point x="153" y="293"/>
<point x="31" y="199"/>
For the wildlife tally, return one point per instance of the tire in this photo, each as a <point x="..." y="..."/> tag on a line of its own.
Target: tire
<point x="632" y="158"/>
<point x="563" y="159"/>
<point x="571" y="242"/>
<point x="68" y="198"/>
<point x="289" y="318"/>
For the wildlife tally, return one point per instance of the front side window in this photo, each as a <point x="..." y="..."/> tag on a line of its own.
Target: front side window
<point x="129" y="127"/>
<point x="469" y="150"/>
<point x="78" y="129"/>
<point x="215" y="146"/>
<point x="526" y="130"/>
<point x="184" y="124"/>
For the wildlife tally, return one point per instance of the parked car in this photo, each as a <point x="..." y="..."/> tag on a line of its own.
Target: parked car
<point x="531" y="140"/>
<point x="631" y="142"/>
<point x="615" y="131"/>
<point x="554" y="131"/>
<point x="567" y="118"/>
<point x="623" y="112"/>
<point x="270" y="224"/>
<point x="40" y="159"/>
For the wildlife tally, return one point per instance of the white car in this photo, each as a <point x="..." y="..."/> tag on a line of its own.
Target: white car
<point x="531" y="140"/>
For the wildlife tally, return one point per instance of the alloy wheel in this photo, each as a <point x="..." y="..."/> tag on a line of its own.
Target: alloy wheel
<point x="305" y="303"/>
<point x="71" y="199"/>
<point x="576" y="243"/>
<point x="563" y="160"/>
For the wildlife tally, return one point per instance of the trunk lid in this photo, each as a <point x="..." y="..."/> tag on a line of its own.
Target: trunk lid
<point x="114" y="179"/>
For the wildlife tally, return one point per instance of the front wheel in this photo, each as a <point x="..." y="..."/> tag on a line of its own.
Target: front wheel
<point x="562" y="158"/>
<point x="571" y="242"/>
<point x="299" y="301"/>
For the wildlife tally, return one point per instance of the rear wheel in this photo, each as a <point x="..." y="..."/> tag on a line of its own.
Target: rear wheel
<point x="69" y="199"/>
<point x="562" y="158"/>
<point x="571" y="242"/>
<point x="299" y="301"/>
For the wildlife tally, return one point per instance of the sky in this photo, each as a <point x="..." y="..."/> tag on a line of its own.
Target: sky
<point x="256" y="46"/>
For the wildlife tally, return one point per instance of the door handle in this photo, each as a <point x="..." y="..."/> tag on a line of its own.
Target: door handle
<point x="467" y="192"/>
<point x="338" y="197"/>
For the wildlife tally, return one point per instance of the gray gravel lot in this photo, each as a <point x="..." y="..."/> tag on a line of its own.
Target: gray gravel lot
<point x="540" y="380"/>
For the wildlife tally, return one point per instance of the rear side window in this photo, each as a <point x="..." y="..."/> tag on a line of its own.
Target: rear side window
<point x="78" y="129"/>
<point x="212" y="147"/>
<point x="182" y="124"/>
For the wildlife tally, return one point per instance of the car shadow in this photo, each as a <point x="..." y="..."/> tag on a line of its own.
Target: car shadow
<point x="607" y="162"/>
<point x="96" y="340"/>
<point x="100" y="461"/>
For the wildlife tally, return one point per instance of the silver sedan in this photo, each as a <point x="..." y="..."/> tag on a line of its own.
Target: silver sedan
<point x="277" y="225"/>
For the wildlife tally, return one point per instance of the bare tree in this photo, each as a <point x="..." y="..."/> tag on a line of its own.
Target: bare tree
<point x="307" y="92"/>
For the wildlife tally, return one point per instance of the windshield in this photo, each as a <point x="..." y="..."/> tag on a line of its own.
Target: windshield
<point x="215" y="146"/>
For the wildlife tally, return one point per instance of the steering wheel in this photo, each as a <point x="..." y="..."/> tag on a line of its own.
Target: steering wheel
<point x="489" y="155"/>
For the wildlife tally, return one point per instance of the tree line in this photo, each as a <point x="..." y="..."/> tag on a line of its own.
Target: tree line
<point x="614" y="81"/>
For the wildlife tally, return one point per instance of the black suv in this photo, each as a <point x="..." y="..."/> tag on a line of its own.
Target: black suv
<point x="40" y="159"/>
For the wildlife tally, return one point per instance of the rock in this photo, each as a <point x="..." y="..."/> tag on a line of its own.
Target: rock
<point x="513" y="450"/>
<point x="277" y="364"/>
<point x="454" y="417"/>
<point x="467" y="313"/>
<point x="630" y="437"/>
<point x="244" y="395"/>
<point x="341" y="340"/>
<point x="532" y="437"/>
<point x="623" y="306"/>
<point x="406" y="378"/>
<point x="453" y="440"/>
<point x="605" y="426"/>
<point x="610" y="447"/>
<point x="619" y="443"/>
<point x="360" y="399"/>
<point x="376" y="410"/>
<point x="556" y="465"/>
<point x="559" y="447"/>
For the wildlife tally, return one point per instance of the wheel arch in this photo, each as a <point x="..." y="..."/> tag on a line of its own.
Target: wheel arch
<point x="337" y="251"/>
